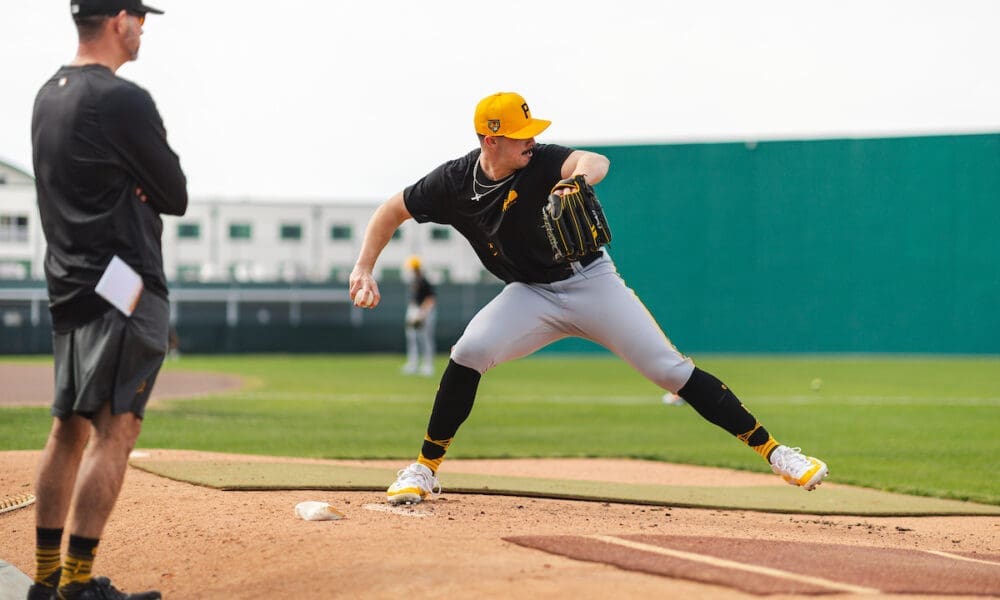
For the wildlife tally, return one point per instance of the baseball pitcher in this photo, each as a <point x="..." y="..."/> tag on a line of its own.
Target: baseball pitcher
<point x="532" y="216"/>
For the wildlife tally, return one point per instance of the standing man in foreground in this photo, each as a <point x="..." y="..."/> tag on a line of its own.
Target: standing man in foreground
<point x="104" y="175"/>
<point x="495" y="197"/>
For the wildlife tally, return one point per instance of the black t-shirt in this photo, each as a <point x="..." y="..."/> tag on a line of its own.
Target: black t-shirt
<point x="97" y="137"/>
<point x="504" y="225"/>
<point x="420" y="290"/>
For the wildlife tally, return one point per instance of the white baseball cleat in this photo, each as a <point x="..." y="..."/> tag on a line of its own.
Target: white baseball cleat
<point x="797" y="468"/>
<point x="412" y="485"/>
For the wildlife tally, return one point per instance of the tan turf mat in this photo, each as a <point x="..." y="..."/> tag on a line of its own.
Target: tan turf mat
<point x="835" y="500"/>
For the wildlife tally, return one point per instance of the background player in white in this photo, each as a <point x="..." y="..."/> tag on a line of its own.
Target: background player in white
<point x="493" y="196"/>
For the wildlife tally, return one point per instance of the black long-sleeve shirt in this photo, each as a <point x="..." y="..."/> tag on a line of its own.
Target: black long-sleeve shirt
<point x="96" y="138"/>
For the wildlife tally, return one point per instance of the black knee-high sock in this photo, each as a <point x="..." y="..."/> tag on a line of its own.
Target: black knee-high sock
<point x="452" y="405"/>
<point x="719" y="405"/>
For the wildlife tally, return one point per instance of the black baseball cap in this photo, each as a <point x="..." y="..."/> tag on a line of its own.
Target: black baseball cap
<point x="86" y="8"/>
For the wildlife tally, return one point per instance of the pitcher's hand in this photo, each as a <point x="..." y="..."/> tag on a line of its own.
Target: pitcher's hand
<point x="364" y="288"/>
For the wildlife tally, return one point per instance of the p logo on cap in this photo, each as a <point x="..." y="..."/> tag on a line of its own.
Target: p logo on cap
<point x="506" y="114"/>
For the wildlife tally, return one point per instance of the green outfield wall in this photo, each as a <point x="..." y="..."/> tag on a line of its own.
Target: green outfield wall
<point x="851" y="245"/>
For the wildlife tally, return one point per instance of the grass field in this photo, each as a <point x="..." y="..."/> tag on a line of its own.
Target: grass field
<point x="919" y="425"/>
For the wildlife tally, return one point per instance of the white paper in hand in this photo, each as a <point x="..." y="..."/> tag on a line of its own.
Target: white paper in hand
<point x="120" y="285"/>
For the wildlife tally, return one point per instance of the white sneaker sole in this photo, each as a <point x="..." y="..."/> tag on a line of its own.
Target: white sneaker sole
<point x="811" y="483"/>
<point x="404" y="497"/>
<point x="814" y="481"/>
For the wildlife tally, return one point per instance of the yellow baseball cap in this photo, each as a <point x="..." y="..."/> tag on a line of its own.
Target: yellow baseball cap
<point x="413" y="262"/>
<point x="507" y="114"/>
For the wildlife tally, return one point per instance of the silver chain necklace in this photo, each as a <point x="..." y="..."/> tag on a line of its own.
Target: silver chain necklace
<point x="487" y="189"/>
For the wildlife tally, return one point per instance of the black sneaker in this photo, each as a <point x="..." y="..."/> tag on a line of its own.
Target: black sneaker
<point x="38" y="591"/>
<point x="100" y="588"/>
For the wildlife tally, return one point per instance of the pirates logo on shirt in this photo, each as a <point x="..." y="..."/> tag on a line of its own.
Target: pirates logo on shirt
<point x="511" y="199"/>
<point x="494" y="125"/>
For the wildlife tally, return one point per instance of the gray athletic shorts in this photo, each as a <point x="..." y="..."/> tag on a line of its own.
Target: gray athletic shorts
<point x="112" y="358"/>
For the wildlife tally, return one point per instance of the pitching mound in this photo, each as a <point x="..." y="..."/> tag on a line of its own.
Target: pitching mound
<point x="192" y="542"/>
<point x="769" y="494"/>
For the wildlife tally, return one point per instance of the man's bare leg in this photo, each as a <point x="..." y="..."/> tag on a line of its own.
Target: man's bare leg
<point x="102" y="471"/>
<point x="98" y="483"/>
<point x="57" y="469"/>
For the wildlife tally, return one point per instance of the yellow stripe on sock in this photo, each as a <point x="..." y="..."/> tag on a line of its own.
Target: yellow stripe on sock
<point x="47" y="562"/>
<point x="745" y="437"/>
<point x="765" y="449"/>
<point x="434" y="463"/>
<point x="762" y="449"/>
<point x="76" y="570"/>
<point x="431" y="463"/>
<point x="442" y="443"/>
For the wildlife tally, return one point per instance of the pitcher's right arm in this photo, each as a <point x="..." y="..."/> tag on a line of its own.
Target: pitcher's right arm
<point x="384" y="222"/>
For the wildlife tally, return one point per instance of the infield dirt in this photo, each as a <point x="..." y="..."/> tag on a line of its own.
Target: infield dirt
<point x="193" y="542"/>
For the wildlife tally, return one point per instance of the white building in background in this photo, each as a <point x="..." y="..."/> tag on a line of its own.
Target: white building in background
<point x="255" y="240"/>
<point x="221" y="240"/>
<point x="22" y="244"/>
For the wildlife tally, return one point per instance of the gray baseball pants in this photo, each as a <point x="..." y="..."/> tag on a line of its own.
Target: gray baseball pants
<point x="594" y="303"/>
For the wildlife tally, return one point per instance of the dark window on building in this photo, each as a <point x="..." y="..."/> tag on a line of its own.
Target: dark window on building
<point x="291" y="232"/>
<point x="397" y="235"/>
<point x="188" y="272"/>
<point x="240" y="231"/>
<point x="189" y="231"/>
<point x="15" y="269"/>
<point x="391" y="274"/>
<point x="340" y="273"/>
<point x="340" y="232"/>
<point x="13" y="228"/>
<point x="440" y="234"/>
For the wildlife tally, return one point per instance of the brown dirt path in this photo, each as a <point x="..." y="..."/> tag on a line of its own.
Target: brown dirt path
<point x="33" y="385"/>
<point x="194" y="542"/>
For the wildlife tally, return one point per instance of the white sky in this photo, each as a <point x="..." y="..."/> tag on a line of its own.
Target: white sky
<point x="355" y="100"/>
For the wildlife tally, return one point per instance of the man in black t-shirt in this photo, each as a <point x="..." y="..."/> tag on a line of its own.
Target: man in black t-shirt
<point x="104" y="175"/>
<point x="494" y="197"/>
<point x="421" y="317"/>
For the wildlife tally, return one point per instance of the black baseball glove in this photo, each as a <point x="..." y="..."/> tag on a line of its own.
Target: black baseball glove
<point x="574" y="220"/>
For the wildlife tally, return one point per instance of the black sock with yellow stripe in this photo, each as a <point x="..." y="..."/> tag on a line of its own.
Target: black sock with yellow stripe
<point x="760" y="441"/>
<point x="432" y="452"/>
<point x="719" y="405"/>
<point x="79" y="561"/>
<point x="47" y="556"/>
<point x="452" y="405"/>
